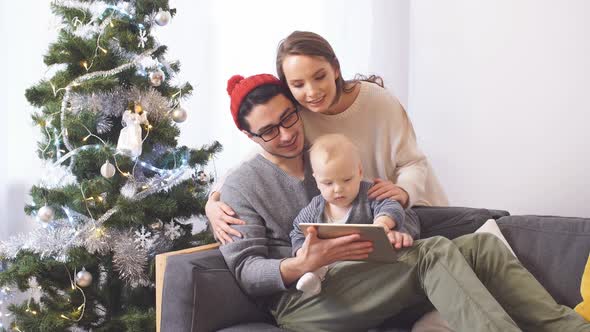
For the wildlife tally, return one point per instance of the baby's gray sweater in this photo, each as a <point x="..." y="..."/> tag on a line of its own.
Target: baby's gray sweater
<point x="363" y="211"/>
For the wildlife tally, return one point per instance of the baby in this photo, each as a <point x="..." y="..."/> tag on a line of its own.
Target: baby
<point x="338" y="172"/>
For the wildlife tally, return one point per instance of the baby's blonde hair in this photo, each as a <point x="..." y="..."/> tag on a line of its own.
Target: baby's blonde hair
<point x="329" y="147"/>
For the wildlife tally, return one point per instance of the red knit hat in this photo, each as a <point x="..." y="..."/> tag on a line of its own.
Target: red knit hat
<point x="239" y="87"/>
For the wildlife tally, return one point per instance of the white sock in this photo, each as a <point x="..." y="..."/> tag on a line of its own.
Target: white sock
<point x="311" y="282"/>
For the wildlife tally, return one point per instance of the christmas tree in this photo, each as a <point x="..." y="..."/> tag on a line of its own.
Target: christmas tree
<point x="116" y="189"/>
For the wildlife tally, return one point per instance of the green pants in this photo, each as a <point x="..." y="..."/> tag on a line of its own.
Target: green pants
<point x="474" y="281"/>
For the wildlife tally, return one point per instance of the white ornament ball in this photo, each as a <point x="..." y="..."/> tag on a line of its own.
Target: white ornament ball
<point x="157" y="77"/>
<point x="163" y="17"/>
<point x="107" y="170"/>
<point x="45" y="213"/>
<point x="179" y="115"/>
<point x="83" y="278"/>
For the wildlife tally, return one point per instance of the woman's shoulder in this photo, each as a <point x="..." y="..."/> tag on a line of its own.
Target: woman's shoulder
<point x="374" y="92"/>
<point x="378" y="99"/>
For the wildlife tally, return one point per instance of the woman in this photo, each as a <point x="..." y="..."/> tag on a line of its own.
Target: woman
<point x="360" y="109"/>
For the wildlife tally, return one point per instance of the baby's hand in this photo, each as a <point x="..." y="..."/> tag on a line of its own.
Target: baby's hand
<point x="386" y="222"/>
<point x="400" y="240"/>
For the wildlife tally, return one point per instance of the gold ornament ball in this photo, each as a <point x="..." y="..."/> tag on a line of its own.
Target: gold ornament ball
<point x="107" y="170"/>
<point x="157" y="77"/>
<point x="45" y="214"/>
<point x="163" y="17"/>
<point x="179" y="115"/>
<point x="83" y="278"/>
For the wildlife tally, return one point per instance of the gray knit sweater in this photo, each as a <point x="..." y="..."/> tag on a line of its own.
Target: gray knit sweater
<point x="268" y="200"/>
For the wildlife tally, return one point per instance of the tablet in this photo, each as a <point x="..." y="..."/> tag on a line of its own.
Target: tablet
<point x="382" y="249"/>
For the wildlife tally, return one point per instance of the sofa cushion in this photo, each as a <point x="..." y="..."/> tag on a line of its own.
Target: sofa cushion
<point x="193" y="300"/>
<point x="584" y="308"/>
<point x="211" y="309"/>
<point x="491" y="227"/>
<point x="553" y="249"/>
<point x="452" y="222"/>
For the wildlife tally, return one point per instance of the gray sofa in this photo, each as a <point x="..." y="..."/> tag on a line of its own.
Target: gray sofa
<point x="199" y="293"/>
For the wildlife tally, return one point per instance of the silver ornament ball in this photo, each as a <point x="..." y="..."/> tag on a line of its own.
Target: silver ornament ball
<point x="157" y="77"/>
<point x="179" y="115"/>
<point x="107" y="170"/>
<point x="83" y="278"/>
<point x="163" y="17"/>
<point x="45" y="213"/>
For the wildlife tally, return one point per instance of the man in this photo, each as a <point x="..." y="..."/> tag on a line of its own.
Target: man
<point x="471" y="280"/>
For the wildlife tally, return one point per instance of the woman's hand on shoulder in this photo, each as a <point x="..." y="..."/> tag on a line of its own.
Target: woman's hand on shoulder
<point x="383" y="189"/>
<point x="221" y="216"/>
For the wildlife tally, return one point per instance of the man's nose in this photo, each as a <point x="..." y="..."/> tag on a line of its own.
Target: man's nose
<point x="285" y="134"/>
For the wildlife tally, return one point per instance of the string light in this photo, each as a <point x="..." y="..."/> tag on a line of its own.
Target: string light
<point x="99" y="232"/>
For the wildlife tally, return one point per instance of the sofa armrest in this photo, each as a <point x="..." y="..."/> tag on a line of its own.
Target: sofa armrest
<point x="161" y="261"/>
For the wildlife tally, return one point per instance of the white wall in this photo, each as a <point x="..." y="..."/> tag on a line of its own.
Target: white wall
<point x="497" y="90"/>
<point x="499" y="94"/>
<point x="22" y="66"/>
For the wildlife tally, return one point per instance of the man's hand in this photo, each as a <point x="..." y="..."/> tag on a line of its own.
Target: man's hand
<point x="220" y="216"/>
<point x="316" y="252"/>
<point x="383" y="189"/>
<point x="400" y="240"/>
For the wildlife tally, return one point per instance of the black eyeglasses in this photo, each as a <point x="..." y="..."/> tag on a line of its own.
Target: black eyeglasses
<point x="272" y="132"/>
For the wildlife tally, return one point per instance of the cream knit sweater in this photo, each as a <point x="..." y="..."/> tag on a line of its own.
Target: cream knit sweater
<point x="378" y="124"/>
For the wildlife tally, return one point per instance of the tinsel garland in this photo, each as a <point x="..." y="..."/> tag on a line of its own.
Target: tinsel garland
<point x="112" y="104"/>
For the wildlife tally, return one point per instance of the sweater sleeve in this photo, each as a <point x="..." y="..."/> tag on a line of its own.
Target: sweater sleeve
<point x="307" y="215"/>
<point x="390" y="208"/>
<point x="248" y="257"/>
<point x="411" y="165"/>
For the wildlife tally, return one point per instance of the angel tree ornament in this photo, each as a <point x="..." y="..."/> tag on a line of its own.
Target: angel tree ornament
<point x="130" y="140"/>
